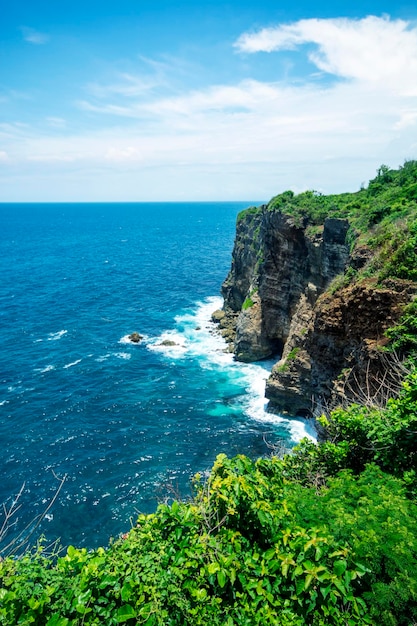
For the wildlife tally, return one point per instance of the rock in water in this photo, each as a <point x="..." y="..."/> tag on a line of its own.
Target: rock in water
<point x="135" y="337"/>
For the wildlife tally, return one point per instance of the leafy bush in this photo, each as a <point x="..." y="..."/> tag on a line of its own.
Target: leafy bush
<point x="374" y="517"/>
<point x="235" y="555"/>
<point x="403" y="335"/>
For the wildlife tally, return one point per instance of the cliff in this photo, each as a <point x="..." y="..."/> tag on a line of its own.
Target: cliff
<point x="317" y="293"/>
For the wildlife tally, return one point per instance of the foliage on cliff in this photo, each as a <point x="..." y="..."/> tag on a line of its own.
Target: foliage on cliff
<point x="382" y="216"/>
<point x="326" y="535"/>
<point x="391" y="194"/>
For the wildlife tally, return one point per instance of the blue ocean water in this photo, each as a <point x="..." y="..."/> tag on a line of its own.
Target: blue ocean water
<point x="128" y="424"/>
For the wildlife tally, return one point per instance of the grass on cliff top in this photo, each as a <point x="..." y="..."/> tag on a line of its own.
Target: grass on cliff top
<point x="391" y="194"/>
<point x="382" y="216"/>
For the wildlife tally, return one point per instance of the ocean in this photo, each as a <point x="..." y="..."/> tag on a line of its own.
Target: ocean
<point x="127" y="424"/>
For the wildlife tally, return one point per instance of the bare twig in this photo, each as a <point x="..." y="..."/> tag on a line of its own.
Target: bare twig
<point x="20" y="542"/>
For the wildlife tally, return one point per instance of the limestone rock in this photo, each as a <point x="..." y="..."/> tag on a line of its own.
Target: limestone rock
<point x="251" y="342"/>
<point x="277" y="302"/>
<point x="217" y="316"/>
<point x="276" y="259"/>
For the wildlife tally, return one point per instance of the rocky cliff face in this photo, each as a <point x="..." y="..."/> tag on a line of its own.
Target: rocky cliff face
<point x="277" y="302"/>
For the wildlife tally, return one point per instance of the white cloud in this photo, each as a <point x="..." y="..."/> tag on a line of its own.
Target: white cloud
<point x="376" y="50"/>
<point x="262" y="136"/>
<point x="50" y="158"/>
<point x="407" y="119"/>
<point x="124" y="153"/>
<point x="34" y="36"/>
<point x="111" y="109"/>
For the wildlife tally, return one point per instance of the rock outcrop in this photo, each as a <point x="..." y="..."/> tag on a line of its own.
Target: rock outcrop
<point x="337" y="355"/>
<point x="135" y="337"/>
<point x="281" y="300"/>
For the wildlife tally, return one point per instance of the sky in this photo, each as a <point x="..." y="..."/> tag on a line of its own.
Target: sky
<point x="163" y="100"/>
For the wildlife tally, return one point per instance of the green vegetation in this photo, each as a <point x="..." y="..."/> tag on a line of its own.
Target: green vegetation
<point x="290" y="357"/>
<point x="403" y="336"/>
<point x="382" y="216"/>
<point x="292" y="354"/>
<point x="326" y="535"/>
<point x="253" y="210"/>
<point x="248" y="303"/>
<point x="392" y="194"/>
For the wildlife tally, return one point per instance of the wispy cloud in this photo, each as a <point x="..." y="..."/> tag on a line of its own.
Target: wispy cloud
<point x="34" y="36"/>
<point x="123" y="154"/>
<point x="128" y="86"/>
<point x="56" y="122"/>
<point x="265" y="135"/>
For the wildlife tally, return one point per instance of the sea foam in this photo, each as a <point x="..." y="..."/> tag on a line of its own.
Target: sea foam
<point x="196" y="336"/>
<point x="72" y="364"/>
<point x="56" y="336"/>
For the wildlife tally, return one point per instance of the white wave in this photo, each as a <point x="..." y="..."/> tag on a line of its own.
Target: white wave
<point x="56" y="336"/>
<point x="302" y="428"/>
<point x="196" y="335"/>
<point x="3" y="402"/>
<point x="257" y="405"/>
<point x="72" y="364"/>
<point x="118" y="355"/>
<point x="171" y="343"/>
<point x="47" y="368"/>
<point x="122" y="355"/>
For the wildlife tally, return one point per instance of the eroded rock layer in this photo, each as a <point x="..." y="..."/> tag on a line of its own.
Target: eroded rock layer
<point x="280" y="300"/>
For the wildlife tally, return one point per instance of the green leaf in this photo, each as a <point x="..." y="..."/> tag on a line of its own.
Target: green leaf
<point x="309" y="578"/>
<point x="213" y="568"/>
<point x="55" y="620"/>
<point x="71" y="551"/>
<point x="299" y="586"/>
<point x="200" y="594"/>
<point x="232" y="575"/>
<point x="124" y="613"/>
<point x="340" y="567"/>
<point x="325" y="591"/>
<point x="126" y="591"/>
<point x="319" y="553"/>
<point x="221" y="578"/>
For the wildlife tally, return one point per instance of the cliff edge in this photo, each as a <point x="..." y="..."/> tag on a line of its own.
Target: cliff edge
<point x="316" y="281"/>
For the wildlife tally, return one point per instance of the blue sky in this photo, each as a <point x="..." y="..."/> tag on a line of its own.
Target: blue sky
<point x="178" y="100"/>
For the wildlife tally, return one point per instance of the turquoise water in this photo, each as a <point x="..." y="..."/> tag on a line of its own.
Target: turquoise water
<point x="128" y="424"/>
